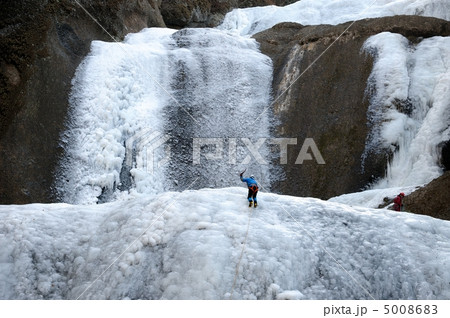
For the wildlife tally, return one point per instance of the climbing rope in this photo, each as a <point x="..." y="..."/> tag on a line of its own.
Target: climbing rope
<point x="242" y="254"/>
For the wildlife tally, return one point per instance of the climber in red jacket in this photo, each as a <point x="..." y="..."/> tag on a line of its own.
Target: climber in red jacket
<point x="398" y="202"/>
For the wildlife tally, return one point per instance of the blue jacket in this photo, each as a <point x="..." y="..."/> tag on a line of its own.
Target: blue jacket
<point x="250" y="181"/>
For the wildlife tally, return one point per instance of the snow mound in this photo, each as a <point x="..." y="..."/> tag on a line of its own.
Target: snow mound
<point x="187" y="246"/>
<point x="372" y="198"/>
<point x="314" y="12"/>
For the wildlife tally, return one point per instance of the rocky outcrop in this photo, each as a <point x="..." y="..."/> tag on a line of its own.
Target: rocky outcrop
<point x="42" y="43"/>
<point x="320" y="79"/>
<point x="445" y="155"/>
<point x="433" y="199"/>
<point x="206" y="13"/>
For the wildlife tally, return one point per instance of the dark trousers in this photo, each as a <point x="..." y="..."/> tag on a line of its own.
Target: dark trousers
<point x="252" y="194"/>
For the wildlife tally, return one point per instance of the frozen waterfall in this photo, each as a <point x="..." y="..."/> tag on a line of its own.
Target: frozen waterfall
<point x="410" y="106"/>
<point x="164" y="109"/>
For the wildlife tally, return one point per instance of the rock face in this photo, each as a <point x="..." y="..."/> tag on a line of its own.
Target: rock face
<point x="445" y="156"/>
<point x="320" y="79"/>
<point x="206" y="13"/>
<point x="42" y="43"/>
<point x="433" y="199"/>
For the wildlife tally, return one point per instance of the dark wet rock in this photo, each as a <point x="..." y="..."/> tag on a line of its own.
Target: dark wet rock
<point x="433" y="199"/>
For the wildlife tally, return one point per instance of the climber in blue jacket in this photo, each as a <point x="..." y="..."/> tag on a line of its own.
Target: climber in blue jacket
<point x="252" y="189"/>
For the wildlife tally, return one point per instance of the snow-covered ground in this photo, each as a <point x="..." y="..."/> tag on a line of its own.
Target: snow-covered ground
<point x="313" y="12"/>
<point x="187" y="246"/>
<point x="373" y="198"/>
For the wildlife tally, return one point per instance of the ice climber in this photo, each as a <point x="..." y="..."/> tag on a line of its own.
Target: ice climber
<point x="252" y="189"/>
<point x="398" y="202"/>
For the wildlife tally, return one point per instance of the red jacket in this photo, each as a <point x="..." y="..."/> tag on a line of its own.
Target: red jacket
<point x="398" y="203"/>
